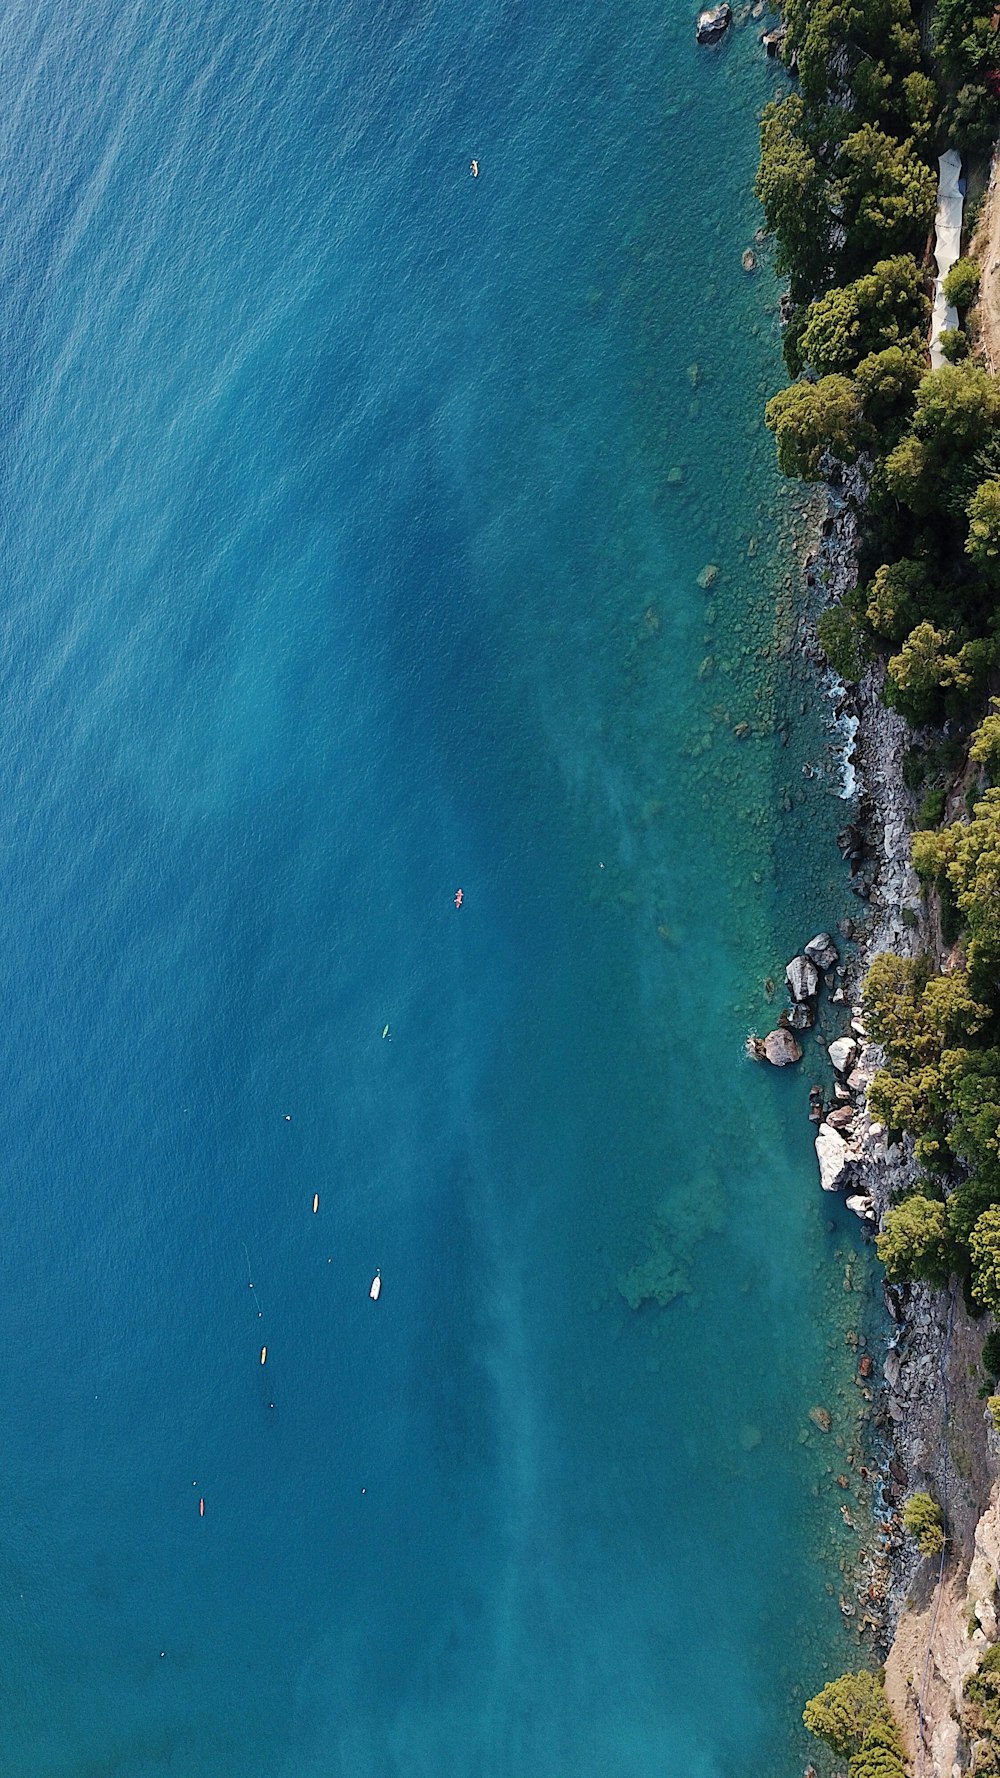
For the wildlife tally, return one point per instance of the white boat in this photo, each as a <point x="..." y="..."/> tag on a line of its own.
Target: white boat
<point x="376" y="1287"/>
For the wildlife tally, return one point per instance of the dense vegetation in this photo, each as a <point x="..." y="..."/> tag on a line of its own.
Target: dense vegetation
<point x="847" y="181"/>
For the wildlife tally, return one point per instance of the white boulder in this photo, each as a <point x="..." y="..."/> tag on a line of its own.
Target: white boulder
<point x="833" y="1155"/>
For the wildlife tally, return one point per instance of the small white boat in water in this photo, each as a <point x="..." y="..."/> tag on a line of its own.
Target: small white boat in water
<point x="376" y="1287"/>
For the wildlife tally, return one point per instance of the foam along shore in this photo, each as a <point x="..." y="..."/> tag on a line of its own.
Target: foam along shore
<point x="947" y="246"/>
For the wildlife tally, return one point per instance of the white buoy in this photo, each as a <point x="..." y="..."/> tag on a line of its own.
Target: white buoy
<point x="376" y="1287"/>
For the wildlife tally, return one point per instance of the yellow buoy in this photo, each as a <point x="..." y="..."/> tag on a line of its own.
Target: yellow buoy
<point x="315" y="1203"/>
<point x="263" y="1355"/>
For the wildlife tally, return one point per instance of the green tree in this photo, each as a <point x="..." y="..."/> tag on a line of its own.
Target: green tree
<point x="924" y="1520"/>
<point x="983" y="541"/>
<point x="812" y="420"/>
<point x="897" y="598"/>
<point x="984" y="747"/>
<point x="845" y="1710"/>
<point x="984" y="1250"/>
<point x="971" y="118"/>
<point x="885" y="307"/>
<point x="827" y="34"/>
<point x="956" y="415"/>
<point x="791" y="186"/>
<point x="927" y="666"/>
<point x="881" y="1752"/>
<point x="933" y="852"/>
<point x="961" y="286"/>
<point x="886" y="380"/>
<point x="920" y="104"/>
<point x="975" y="877"/>
<point x="886" y="193"/>
<point x="915" y="1241"/>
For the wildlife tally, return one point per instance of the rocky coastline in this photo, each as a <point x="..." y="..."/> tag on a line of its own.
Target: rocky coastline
<point x="929" y="1621"/>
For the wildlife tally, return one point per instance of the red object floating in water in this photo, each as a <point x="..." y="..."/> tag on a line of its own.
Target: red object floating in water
<point x="459" y="898"/>
<point x="201" y="1509"/>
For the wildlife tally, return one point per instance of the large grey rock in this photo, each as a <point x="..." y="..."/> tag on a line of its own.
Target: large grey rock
<point x="780" y="1048"/>
<point x="713" y="23"/>
<point x="802" y="977"/>
<point x="822" y="951"/>
<point x="833" y="1156"/>
<point x="843" y="1053"/>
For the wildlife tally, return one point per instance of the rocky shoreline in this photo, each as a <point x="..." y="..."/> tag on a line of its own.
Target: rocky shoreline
<point x="932" y="1432"/>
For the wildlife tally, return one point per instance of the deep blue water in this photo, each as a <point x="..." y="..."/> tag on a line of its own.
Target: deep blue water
<point x="343" y="566"/>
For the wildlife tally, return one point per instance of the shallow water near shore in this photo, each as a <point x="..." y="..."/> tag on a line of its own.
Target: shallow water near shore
<point x="355" y="513"/>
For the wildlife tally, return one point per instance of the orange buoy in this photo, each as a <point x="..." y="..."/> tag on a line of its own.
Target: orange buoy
<point x="315" y="1202"/>
<point x="263" y="1355"/>
<point x="201" y="1509"/>
<point x="459" y="898"/>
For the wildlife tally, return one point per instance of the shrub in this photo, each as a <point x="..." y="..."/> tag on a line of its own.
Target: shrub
<point x="984" y="1248"/>
<point x="993" y="1409"/>
<point x="842" y="642"/>
<point x="915" y="1241"/>
<point x="924" y="1520"/>
<point x="991" y="1354"/>
<point x="983" y="541"/>
<point x="931" y="810"/>
<point x="985" y="745"/>
<point x="954" y="344"/>
<point x="961" y="285"/>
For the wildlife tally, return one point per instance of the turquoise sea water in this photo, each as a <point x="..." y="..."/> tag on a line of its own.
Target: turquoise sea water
<point x="352" y="517"/>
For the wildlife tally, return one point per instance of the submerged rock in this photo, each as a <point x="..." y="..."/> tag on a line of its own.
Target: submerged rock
<point x="833" y="1156"/>
<point x="820" y="1417"/>
<point x="822" y="951"/>
<point x="802" y="977"/>
<point x="780" y="1048"/>
<point x="713" y="23"/>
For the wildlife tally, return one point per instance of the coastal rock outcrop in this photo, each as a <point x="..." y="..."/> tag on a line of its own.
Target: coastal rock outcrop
<point x="713" y="23"/>
<point x="802" y="977"/>
<point x="780" y="1048"/>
